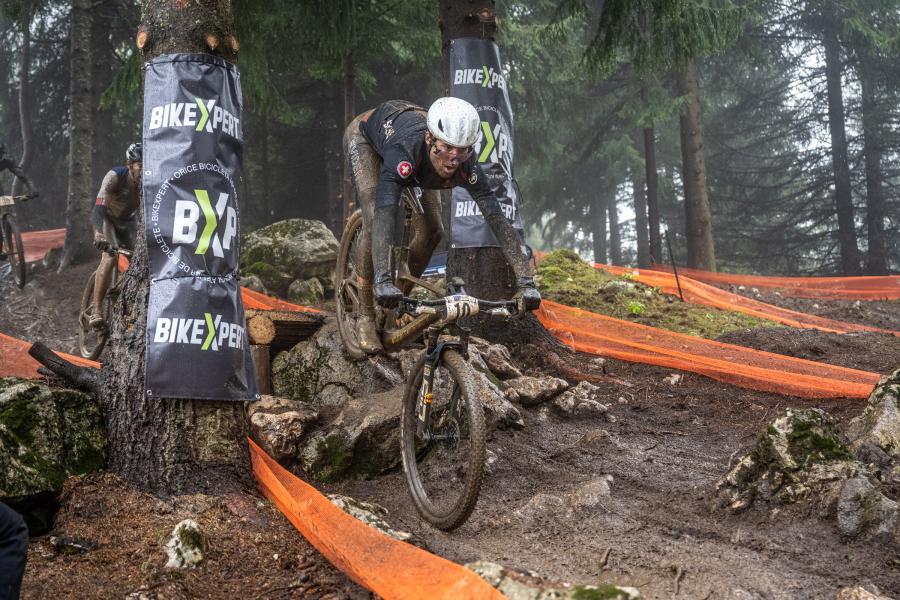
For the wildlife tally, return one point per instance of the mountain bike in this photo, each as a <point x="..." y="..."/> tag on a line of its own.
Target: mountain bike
<point x="442" y="430"/>
<point x="12" y="237"/>
<point x="92" y="340"/>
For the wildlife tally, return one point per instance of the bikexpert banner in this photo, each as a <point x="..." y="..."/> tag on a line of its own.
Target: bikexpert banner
<point x="476" y="76"/>
<point x="193" y="159"/>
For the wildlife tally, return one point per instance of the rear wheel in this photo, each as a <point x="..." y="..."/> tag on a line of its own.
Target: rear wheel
<point x="92" y="340"/>
<point x="15" y="251"/>
<point x="347" y="297"/>
<point x="444" y="469"/>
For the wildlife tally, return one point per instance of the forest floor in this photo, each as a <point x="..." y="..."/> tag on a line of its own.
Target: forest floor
<point x="664" y="448"/>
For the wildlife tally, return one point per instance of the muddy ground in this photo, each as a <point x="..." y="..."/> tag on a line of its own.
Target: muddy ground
<point x="665" y="448"/>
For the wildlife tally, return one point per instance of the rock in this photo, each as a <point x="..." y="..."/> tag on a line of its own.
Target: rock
<point x="306" y="291"/>
<point x="599" y="363"/>
<point x="531" y="391"/>
<point x="590" y="493"/>
<point x="46" y="434"/>
<point x="858" y="593"/>
<point x="862" y="509"/>
<point x="875" y="434"/>
<point x="540" y="505"/>
<point x="497" y="358"/>
<point x="297" y="248"/>
<point x="318" y="372"/>
<point x="362" y="439"/>
<point x="501" y="412"/>
<point x="372" y="515"/>
<point x="186" y="545"/>
<point x="67" y="546"/>
<point x="674" y="378"/>
<point x="253" y="282"/>
<point x="579" y="400"/>
<point x="796" y="454"/>
<point x="51" y="258"/>
<point x="528" y="586"/>
<point x="595" y="438"/>
<point x="279" y="424"/>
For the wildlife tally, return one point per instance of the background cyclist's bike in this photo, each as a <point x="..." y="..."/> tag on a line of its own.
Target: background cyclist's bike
<point x="12" y="237"/>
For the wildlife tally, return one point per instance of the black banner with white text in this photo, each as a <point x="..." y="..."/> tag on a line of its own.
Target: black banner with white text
<point x="193" y="165"/>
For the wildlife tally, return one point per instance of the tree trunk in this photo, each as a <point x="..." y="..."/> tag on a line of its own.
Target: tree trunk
<point x="484" y="270"/>
<point x="656" y="254"/>
<point x="615" y="237"/>
<point x="78" y="203"/>
<point x="349" y="115"/>
<point x="640" y="218"/>
<point x="264" y="206"/>
<point x="161" y="444"/>
<point x="842" y="193"/>
<point x="698" y="219"/>
<point x="105" y="147"/>
<point x="598" y="229"/>
<point x="24" y="104"/>
<point x="873" y="150"/>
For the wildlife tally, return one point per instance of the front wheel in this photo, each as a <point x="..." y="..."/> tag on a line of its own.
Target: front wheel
<point x="444" y="462"/>
<point x="91" y="340"/>
<point x="15" y="251"/>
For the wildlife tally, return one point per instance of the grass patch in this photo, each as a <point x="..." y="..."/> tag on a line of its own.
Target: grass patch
<point x="563" y="277"/>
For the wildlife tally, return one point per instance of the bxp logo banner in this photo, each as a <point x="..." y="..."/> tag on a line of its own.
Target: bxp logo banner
<point x="193" y="159"/>
<point x="476" y="76"/>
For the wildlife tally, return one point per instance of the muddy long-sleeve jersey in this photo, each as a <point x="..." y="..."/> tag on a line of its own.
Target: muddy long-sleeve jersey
<point x="7" y="164"/>
<point x="118" y="199"/>
<point x="396" y="130"/>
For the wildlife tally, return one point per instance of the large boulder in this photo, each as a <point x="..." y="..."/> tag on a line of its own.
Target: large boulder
<point x="875" y="434"/>
<point x="290" y="250"/>
<point x="279" y="424"/>
<point x="46" y="434"/>
<point x="318" y="371"/>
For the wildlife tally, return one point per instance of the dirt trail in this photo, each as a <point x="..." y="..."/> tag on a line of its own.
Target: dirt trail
<point x="667" y="448"/>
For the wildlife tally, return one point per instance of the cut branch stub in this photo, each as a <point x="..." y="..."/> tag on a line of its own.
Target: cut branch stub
<point x="141" y="39"/>
<point x="212" y="41"/>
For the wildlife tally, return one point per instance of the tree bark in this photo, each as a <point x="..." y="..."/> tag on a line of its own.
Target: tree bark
<point x="349" y="115"/>
<point x="78" y="203"/>
<point x="615" y="236"/>
<point x="850" y="264"/>
<point x="105" y="147"/>
<point x="598" y="227"/>
<point x="160" y="444"/>
<point x="698" y="218"/>
<point x="264" y="205"/>
<point x="652" y="178"/>
<point x="24" y="104"/>
<point x="873" y="150"/>
<point x="484" y="270"/>
<point x="640" y="218"/>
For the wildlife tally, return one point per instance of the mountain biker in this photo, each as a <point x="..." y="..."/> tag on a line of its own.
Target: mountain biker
<point x="115" y="213"/>
<point x="8" y="164"/>
<point x="13" y="551"/>
<point x="400" y="145"/>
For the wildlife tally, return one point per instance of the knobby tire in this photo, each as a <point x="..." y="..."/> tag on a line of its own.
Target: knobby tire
<point x="412" y="453"/>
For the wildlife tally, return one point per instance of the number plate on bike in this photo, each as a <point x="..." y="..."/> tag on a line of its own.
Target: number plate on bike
<point x="461" y="306"/>
<point x="6" y="201"/>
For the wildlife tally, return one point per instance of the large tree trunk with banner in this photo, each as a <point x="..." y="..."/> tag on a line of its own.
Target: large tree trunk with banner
<point x="698" y="218"/>
<point x="485" y="270"/>
<point x="162" y="444"/>
<point x="78" y="204"/>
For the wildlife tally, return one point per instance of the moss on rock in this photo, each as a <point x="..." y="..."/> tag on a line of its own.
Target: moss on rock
<point x="564" y="277"/>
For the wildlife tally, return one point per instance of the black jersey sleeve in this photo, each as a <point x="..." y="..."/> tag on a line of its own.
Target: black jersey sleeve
<point x="396" y="173"/>
<point x="475" y="182"/>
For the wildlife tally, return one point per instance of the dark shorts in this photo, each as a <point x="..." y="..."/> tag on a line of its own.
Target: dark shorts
<point x="124" y="232"/>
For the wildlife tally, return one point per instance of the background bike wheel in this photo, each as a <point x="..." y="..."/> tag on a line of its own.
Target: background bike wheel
<point x="15" y="251"/>
<point x="346" y="292"/>
<point x="91" y="340"/>
<point x="444" y="477"/>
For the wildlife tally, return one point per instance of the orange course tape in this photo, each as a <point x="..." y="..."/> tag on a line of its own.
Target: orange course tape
<point x="37" y="243"/>
<point x="824" y="288"/>
<point x="381" y="564"/>
<point x="15" y="361"/>
<point x="696" y="292"/>
<point x="597" y="334"/>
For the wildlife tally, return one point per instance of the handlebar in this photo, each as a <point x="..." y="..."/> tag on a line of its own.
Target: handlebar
<point x="11" y="200"/>
<point x="459" y="305"/>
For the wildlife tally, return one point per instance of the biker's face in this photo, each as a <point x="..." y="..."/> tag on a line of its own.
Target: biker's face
<point x="445" y="158"/>
<point x="136" y="170"/>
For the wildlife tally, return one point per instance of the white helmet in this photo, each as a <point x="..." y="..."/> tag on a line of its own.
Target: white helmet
<point x="454" y="121"/>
